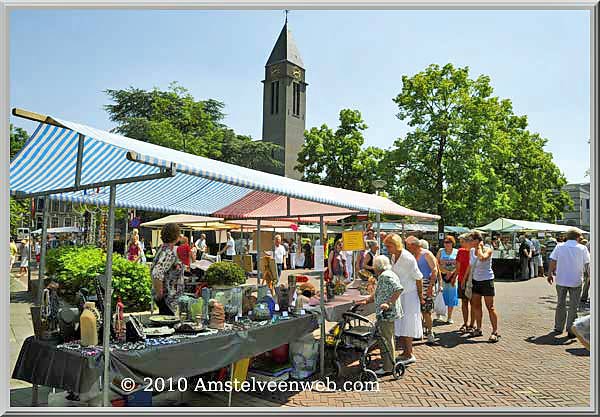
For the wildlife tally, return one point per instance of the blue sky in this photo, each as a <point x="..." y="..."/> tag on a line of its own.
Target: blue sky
<point x="62" y="60"/>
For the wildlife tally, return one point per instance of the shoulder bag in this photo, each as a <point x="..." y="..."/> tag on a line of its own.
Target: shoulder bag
<point x="469" y="283"/>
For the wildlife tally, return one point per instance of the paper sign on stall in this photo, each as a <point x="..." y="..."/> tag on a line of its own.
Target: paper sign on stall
<point x="319" y="258"/>
<point x="353" y="240"/>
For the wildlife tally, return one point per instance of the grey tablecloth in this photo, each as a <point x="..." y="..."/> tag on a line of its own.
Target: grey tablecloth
<point x="342" y="303"/>
<point x="42" y="363"/>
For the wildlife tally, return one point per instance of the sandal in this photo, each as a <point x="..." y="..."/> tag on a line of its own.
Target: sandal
<point x="476" y="333"/>
<point x="494" y="337"/>
<point x="464" y="329"/>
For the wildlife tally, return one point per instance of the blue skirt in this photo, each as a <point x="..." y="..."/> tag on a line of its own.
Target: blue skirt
<point x="450" y="294"/>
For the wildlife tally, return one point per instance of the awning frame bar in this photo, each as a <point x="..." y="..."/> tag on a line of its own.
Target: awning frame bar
<point x="164" y="173"/>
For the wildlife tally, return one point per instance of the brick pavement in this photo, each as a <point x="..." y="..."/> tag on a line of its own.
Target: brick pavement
<point x="529" y="367"/>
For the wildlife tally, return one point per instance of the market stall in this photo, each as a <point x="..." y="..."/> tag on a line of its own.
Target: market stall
<point x="91" y="166"/>
<point x="506" y="254"/>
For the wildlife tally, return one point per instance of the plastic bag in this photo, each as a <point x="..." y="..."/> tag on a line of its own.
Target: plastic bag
<point x="439" y="307"/>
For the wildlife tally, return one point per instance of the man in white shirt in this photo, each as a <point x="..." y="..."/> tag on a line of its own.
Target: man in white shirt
<point x="569" y="262"/>
<point x="229" y="248"/>
<point x="280" y="255"/>
<point x="201" y="246"/>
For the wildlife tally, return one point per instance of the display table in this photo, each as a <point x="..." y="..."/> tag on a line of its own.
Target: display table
<point x="42" y="363"/>
<point x="506" y="268"/>
<point x="342" y="303"/>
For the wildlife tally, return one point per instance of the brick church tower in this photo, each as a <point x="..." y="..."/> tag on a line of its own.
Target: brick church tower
<point x="284" y="102"/>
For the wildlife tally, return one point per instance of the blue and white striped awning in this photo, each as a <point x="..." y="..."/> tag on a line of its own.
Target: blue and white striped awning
<point x="199" y="185"/>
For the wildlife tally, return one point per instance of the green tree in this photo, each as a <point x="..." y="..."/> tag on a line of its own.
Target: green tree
<point x="175" y="119"/>
<point x="338" y="158"/>
<point x="467" y="156"/>
<point x="18" y="137"/>
<point x="18" y="208"/>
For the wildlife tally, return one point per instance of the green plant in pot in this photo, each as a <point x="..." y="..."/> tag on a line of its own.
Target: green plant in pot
<point x="225" y="275"/>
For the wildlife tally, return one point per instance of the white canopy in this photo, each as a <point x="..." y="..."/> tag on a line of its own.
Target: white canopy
<point x="509" y="225"/>
<point x="181" y="219"/>
<point x="56" y="230"/>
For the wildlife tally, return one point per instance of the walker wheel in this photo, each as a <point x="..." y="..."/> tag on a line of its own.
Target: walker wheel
<point x="399" y="369"/>
<point x="337" y="369"/>
<point x="367" y="375"/>
<point x="366" y="360"/>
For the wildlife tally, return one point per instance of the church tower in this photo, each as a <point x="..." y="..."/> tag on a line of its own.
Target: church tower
<point x="284" y="102"/>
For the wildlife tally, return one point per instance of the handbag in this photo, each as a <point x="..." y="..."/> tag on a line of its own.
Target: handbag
<point x="469" y="283"/>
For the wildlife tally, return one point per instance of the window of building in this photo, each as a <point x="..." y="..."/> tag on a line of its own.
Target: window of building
<point x="587" y="203"/>
<point x="296" y="102"/>
<point x="274" y="97"/>
<point x="68" y="222"/>
<point x="54" y="222"/>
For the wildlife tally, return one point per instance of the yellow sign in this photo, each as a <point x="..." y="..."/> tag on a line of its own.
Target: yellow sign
<point x="353" y="240"/>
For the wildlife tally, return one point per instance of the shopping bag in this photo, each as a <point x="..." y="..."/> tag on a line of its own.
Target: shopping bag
<point x="439" y="307"/>
<point x="300" y="260"/>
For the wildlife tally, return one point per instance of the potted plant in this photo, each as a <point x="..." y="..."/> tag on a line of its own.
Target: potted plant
<point x="221" y="275"/>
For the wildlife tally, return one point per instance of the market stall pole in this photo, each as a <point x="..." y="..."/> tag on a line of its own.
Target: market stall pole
<point x="42" y="265"/>
<point x="108" y="295"/>
<point x="378" y="220"/>
<point x="258" y="255"/>
<point x="322" y="308"/>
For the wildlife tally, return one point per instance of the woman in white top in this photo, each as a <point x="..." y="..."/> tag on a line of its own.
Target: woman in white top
<point x="480" y="267"/>
<point x="409" y="326"/>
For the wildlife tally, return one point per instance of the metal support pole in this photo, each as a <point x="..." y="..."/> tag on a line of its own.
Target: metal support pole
<point x="378" y="220"/>
<point x="35" y="395"/>
<point x="108" y="294"/>
<point x="125" y="247"/>
<point x="322" y="308"/>
<point x="42" y="266"/>
<point x="30" y="265"/>
<point x="258" y="253"/>
<point x="231" y="371"/>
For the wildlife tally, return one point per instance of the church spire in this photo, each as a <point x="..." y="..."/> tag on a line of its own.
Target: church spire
<point x="285" y="48"/>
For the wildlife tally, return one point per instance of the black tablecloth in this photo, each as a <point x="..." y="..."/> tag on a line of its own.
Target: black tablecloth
<point x="41" y="363"/>
<point x="506" y="268"/>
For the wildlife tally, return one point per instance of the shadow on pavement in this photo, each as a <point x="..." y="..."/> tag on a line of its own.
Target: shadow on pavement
<point x="551" y="339"/>
<point x="453" y="338"/>
<point x="579" y="352"/>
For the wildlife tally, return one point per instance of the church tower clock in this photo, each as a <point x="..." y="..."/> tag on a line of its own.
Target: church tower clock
<point x="284" y="103"/>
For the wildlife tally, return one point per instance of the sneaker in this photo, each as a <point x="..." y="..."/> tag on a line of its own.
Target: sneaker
<point x="450" y="321"/>
<point x="408" y="361"/>
<point x="382" y="372"/>
<point x="430" y="338"/>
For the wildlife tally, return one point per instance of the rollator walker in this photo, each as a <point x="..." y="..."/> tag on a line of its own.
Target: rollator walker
<point x="358" y="333"/>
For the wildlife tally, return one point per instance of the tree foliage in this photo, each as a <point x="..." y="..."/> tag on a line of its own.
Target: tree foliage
<point x="18" y="208"/>
<point x="338" y="158"/>
<point x="18" y="137"/>
<point x="467" y="156"/>
<point x="175" y="119"/>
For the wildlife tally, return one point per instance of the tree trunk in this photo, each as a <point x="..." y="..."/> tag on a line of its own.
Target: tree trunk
<point x="440" y="190"/>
